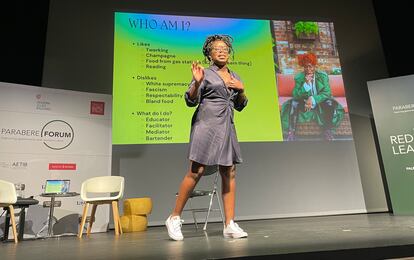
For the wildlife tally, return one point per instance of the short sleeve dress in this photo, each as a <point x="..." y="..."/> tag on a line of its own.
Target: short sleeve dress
<point x="213" y="139"/>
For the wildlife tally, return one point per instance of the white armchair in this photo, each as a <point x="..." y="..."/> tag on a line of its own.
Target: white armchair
<point x="7" y="198"/>
<point x="97" y="186"/>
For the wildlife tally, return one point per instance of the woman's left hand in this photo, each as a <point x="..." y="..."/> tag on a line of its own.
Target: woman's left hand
<point x="235" y="84"/>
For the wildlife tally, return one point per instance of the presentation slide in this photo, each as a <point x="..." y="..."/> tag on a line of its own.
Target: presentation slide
<point x="153" y="54"/>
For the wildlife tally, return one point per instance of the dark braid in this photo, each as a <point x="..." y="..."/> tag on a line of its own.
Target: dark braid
<point x="207" y="46"/>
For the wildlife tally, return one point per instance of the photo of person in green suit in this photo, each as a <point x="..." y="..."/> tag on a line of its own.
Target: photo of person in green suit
<point x="312" y="100"/>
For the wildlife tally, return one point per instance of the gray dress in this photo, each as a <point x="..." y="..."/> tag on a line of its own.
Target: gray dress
<point x="213" y="139"/>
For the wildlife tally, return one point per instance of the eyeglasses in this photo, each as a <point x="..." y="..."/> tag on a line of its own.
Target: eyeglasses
<point x="221" y="49"/>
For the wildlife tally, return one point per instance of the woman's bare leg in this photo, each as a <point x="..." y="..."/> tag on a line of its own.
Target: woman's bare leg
<point x="190" y="180"/>
<point x="228" y="190"/>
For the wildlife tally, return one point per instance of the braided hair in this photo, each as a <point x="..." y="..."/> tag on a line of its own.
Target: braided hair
<point x="208" y="44"/>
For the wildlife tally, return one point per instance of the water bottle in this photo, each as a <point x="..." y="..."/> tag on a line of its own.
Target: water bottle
<point x="20" y="189"/>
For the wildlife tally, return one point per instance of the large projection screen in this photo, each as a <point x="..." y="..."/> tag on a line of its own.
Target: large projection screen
<point x="152" y="58"/>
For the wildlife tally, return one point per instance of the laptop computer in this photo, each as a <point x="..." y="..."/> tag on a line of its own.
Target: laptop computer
<point x="57" y="186"/>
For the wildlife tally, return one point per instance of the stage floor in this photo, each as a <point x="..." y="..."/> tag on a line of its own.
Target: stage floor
<point x="277" y="237"/>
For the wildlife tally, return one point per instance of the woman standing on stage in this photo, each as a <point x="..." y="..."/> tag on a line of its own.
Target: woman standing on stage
<point x="217" y="91"/>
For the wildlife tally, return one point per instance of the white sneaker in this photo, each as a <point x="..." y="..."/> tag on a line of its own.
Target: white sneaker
<point x="233" y="230"/>
<point x="174" y="227"/>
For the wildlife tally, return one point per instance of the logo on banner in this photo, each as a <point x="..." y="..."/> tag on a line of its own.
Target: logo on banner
<point x="14" y="165"/>
<point x="62" y="166"/>
<point x="403" y="108"/>
<point x="42" y="104"/>
<point x="57" y="134"/>
<point x="97" y="108"/>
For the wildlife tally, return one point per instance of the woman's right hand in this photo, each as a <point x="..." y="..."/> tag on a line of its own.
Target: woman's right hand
<point x="198" y="72"/>
<point x="309" y="78"/>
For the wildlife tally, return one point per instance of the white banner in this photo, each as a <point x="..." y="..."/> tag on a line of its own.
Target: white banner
<point x="55" y="134"/>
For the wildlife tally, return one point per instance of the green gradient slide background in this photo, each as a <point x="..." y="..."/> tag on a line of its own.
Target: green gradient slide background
<point x="258" y="122"/>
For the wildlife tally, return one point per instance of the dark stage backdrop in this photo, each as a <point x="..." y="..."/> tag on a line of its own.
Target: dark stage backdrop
<point x="278" y="179"/>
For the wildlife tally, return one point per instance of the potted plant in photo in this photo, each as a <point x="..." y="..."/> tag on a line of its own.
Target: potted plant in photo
<point x="306" y="30"/>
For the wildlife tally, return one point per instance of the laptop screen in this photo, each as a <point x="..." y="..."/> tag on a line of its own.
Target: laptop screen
<point x="57" y="186"/>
